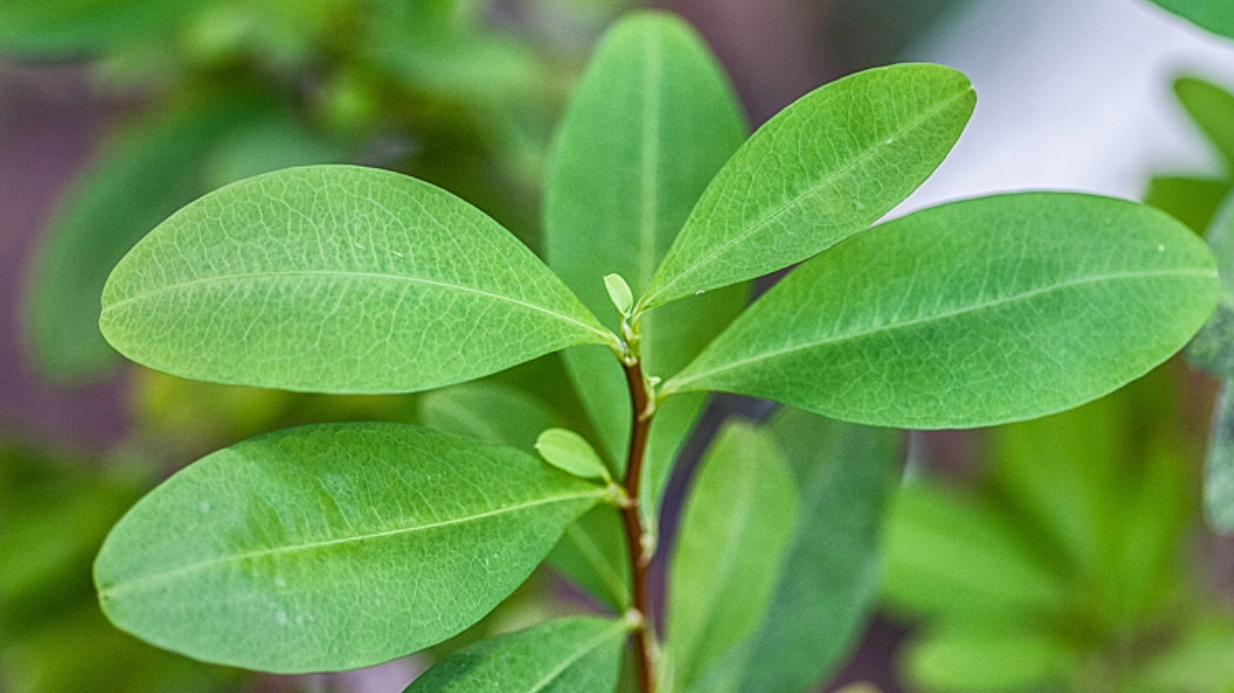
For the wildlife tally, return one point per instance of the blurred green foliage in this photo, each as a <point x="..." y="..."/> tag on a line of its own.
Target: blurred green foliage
<point x="1195" y="199"/>
<point x="1070" y="565"/>
<point x="446" y="90"/>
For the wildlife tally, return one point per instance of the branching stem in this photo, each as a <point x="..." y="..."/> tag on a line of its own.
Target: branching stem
<point x="636" y="536"/>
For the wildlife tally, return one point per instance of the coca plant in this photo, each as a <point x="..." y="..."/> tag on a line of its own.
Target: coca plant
<point x="338" y="546"/>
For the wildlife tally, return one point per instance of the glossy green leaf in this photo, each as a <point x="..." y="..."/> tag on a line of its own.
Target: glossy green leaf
<point x="564" y="656"/>
<point x="1212" y="110"/>
<point x="619" y="293"/>
<point x="488" y="411"/>
<point x="1219" y="468"/>
<point x="964" y="559"/>
<point x="1216" y="16"/>
<point x="1193" y="201"/>
<point x="571" y="453"/>
<point x="337" y="279"/>
<point x="736" y="527"/>
<point x="820" y="171"/>
<point x="141" y="177"/>
<point x="254" y="555"/>
<point x="829" y="579"/>
<point x="971" y="314"/>
<point x="650" y="123"/>
<point x="76" y="28"/>
<point x="979" y="662"/>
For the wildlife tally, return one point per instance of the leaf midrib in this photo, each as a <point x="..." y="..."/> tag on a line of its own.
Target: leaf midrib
<point x="676" y="384"/>
<point x="827" y="180"/>
<point x="274" y="276"/>
<point x="309" y="546"/>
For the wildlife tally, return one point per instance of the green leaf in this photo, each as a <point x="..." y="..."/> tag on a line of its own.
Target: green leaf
<point x="1216" y="16"/>
<point x="255" y="555"/>
<point x="337" y="279"/>
<point x="1193" y="201"/>
<point x="141" y="176"/>
<point x="1212" y="110"/>
<point x="619" y="293"/>
<point x="962" y="559"/>
<point x="73" y="28"/>
<point x="488" y="411"/>
<point x="971" y="314"/>
<point x="650" y="123"/>
<point x="571" y="453"/>
<point x="736" y="527"/>
<point x="829" y="578"/>
<point x="1219" y="468"/>
<point x="564" y="656"/>
<point x="979" y="662"/>
<point x="820" y="171"/>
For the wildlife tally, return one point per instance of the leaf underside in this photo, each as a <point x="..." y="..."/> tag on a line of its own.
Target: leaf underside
<point x="337" y="279"/>
<point x="971" y="314"/>
<point x="256" y="556"/>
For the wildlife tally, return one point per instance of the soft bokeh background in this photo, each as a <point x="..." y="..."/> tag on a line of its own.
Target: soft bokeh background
<point x="1074" y="94"/>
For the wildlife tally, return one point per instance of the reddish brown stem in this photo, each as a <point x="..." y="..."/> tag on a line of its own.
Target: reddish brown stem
<point x="632" y="520"/>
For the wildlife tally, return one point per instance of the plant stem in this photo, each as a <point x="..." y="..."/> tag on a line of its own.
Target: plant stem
<point x="640" y="557"/>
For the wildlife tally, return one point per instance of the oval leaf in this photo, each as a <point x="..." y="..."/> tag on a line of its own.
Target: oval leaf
<point x="571" y="453"/>
<point x="736" y="525"/>
<point x="337" y="279"/>
<point x="971" y="314"/>
<point x="649" y="125"/>
<point x="823" y="169"/>
<point x="332" y="547"/>
<point x="575" y="654"/>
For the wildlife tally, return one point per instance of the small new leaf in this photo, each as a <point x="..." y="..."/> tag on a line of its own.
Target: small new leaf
<point x="619" y="293"/>
<point x="575" y="654"/>
<point x="571" y="452"/>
